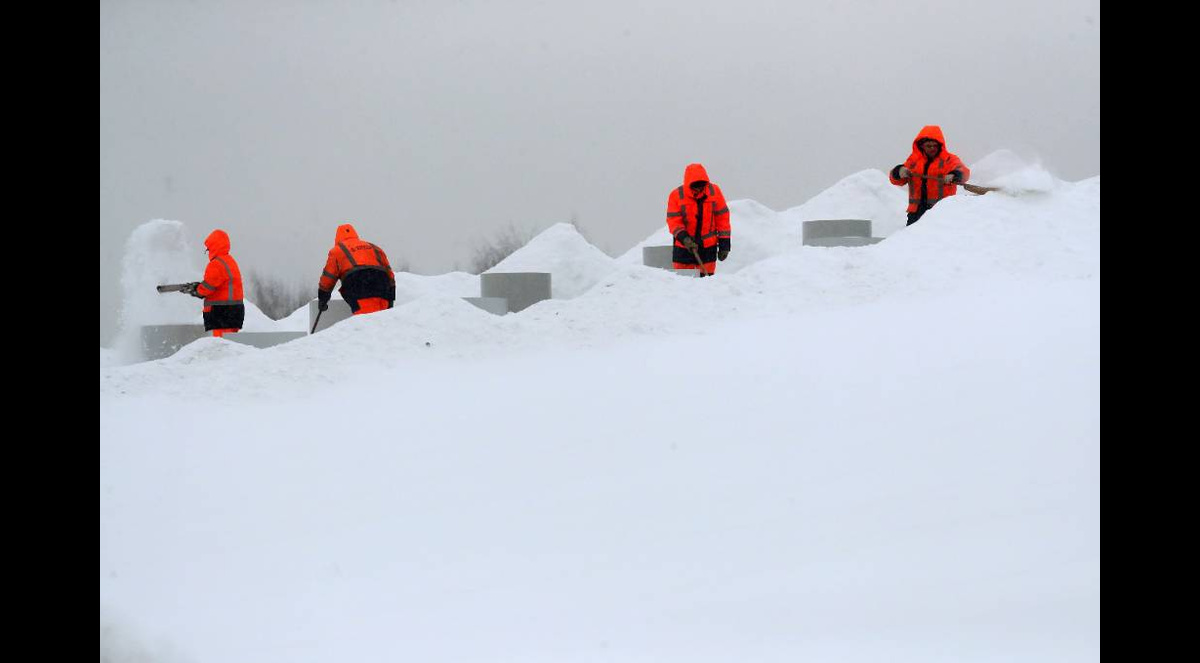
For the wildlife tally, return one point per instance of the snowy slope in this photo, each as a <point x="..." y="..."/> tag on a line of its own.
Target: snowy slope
<point x="880" y="453"/>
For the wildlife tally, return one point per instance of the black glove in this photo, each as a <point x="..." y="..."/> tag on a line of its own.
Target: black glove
<point x="687" y="241"/>
<point x="191" y="290"/>
<point x="323" y="300"/>
<point x="722" y="254"/>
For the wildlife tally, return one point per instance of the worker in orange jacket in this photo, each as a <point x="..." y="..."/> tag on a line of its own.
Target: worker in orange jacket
<point x="221" y="288"/>
<point x="931" y="172"/>
<point x="698" y="218"/>
<point x="368" y="282"/>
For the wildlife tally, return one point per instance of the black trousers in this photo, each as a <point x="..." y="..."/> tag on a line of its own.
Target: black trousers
<point x="922" y="207"/>
<point x="225" y="317"/>
<point x="367" y="283"/>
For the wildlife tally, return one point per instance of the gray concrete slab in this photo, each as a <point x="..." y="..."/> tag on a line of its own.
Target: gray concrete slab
<point x="657" y="256"/>
<point x="844" y="241"/>
<point x="521" y="289"/>
<point x="821" y="228"/>
<point x="497" y="305"/>
<point x="338" y="310"/>
<point x="264" y="339"/>
<point x="159" y="341"/>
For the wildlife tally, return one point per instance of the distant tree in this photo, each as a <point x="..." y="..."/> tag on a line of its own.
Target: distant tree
<point x="276" y="297"/>
<point x="488" y="254"/>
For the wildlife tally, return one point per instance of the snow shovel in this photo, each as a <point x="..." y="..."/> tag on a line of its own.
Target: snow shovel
<point x="973" y="188"/>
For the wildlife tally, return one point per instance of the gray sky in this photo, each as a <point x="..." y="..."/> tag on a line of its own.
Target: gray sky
<point x="433" y="125"/>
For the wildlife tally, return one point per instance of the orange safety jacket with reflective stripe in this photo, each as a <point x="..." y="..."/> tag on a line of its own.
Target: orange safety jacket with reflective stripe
<point x="944" y="163"/>
<point x="222" y="284"/>
<point x="705" y="217"/>
<point x="351" y="254"/>
<point x="362" y="267"/>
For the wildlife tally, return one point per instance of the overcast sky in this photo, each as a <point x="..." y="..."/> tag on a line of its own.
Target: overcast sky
<point x="433" y="125"/>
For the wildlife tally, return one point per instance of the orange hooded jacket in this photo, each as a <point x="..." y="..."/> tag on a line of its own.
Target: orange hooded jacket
<point x="919" y="188"/>
<point x="368" y="282"/>
<point x="222" y="284"/>
<point x="703" y="216"/>
<point x="221" y="287"/>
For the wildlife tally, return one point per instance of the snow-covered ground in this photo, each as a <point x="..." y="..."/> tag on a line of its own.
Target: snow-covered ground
<point x="879" y="453"/>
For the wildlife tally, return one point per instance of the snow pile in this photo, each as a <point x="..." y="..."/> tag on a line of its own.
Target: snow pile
<point x="410" y="287"/>
<point x="208" y="350"/>
<point x="298" y="320"/>
<point x="574" y="264"/>
<point x="962" y="241"/>
<point x="867" y="194"/>
<point x="157" y="252"/>
<point x="659" y="237"/>
<point x="256" y="320"/>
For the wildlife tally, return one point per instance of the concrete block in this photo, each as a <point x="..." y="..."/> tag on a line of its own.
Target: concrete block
<point x="160" y="341"/>
<point x="821" y="228"/>
<point x="338" y="310"/>
<point x="264" y="339"/>
<point x="844" y="241"/>
<point x="497" y="305"/>
<point x="657" y="256"/>
<point x="521" y="289"/>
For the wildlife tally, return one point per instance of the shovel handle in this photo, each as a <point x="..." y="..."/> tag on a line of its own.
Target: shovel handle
<point x="973" y="188"/>
<point x="700" y="264"/>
